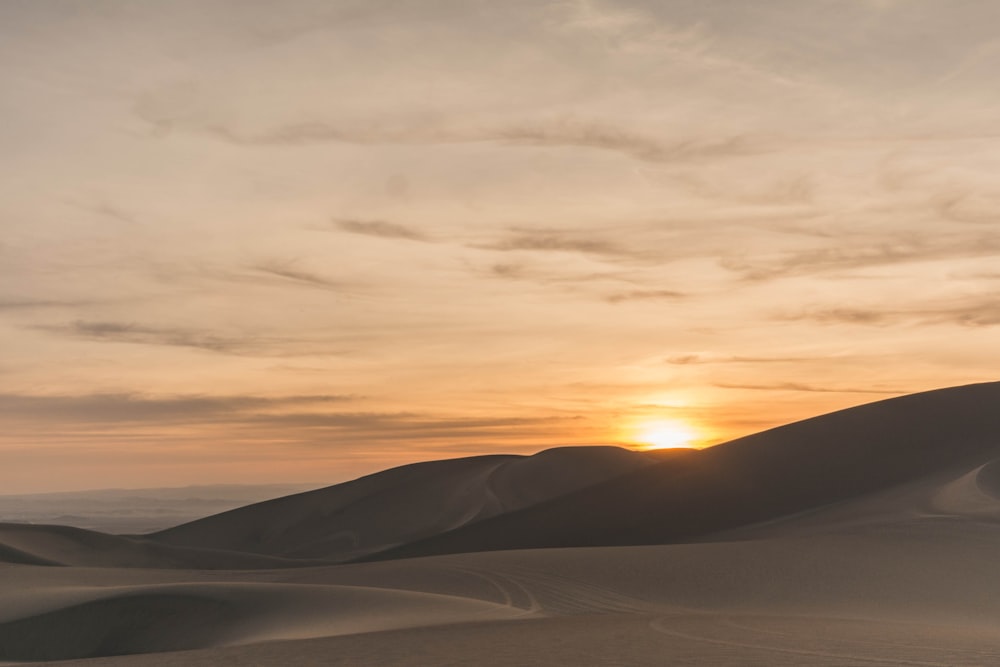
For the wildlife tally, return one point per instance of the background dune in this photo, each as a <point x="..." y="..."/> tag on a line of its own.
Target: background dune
<point x="63" y="545"/>
<point x="405" y="504"/>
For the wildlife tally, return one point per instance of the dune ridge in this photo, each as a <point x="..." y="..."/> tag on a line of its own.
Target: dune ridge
<point x="780" y="472"/>
<point x="67" y="546"/>
<point x="403" y="504"/>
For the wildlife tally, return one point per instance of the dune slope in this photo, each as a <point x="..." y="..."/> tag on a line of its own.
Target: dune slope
<point x="63" y="545"/>
<point x="403" y="504"/>
<point x="173" y="617"/>
<point x="783" y="471"/>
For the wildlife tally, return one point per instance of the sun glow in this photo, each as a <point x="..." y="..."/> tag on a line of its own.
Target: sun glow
<point x="666" y="434"/>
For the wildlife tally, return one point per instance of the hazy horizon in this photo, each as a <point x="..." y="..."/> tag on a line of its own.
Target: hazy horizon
<point x="248" y="242"/>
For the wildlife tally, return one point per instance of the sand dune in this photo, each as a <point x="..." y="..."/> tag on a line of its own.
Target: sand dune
<point x="921" y="594"/>
<point x="403" y="504"/>
<point x="783" y="471"/>
<point x="62" y="545"/>
<point x="143" y="619"/>
<point x="869" y="536"/>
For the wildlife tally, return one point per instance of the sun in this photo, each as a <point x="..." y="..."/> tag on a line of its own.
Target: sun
<point x="665" y="434"/>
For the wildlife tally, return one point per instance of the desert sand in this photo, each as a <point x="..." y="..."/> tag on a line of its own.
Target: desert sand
<point x="868" y="536"/>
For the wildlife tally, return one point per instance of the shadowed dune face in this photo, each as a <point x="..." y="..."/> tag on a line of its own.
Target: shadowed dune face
<point x="63" y="545"/>
<point x="139" y="624"/>
<point x="762" y="477"/>
<point x="404" y="504"/>
<point x="154" y="619"/>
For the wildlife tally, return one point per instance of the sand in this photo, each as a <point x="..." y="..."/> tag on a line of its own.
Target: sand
<point x="885" y="555"/>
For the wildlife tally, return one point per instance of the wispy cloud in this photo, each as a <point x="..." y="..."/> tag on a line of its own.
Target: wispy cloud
<point x="412" y="426"/>
<point x="558" y="242"/>
<point x="697" y="359"/>
<point x="379" y="228"/>
<point x="967" y="311"/>
<point x="125" y="407"/>
<point x="588" y="133"/>
<point x="29" y="304"/>
<point x="288" y="271"/>
<point x="797" y="386"/>
<point x="242" y="345"/>
<point x="565" y="131"/>
<point x="645" y="295"/>
<point x="309" y="420"/>
<point x="874" y="253"/>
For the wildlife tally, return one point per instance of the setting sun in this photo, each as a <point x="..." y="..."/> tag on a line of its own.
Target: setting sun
<point x="666" y="434"/>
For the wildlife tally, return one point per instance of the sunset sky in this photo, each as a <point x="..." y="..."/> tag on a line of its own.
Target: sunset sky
<point x="249" y="241"/>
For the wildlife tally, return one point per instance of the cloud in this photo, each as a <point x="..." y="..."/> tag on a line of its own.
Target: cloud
<point x="107" y="211"/>
<point x="29" y="304"/>
<point x="410" y="426"/>
<point x="554" y="274"/>
<point x="117" y="419"/>
<point x="126" y="407"/>
<point x="644" y="295"/>
<point x="509" y="271"/>
<point x="271" y="272"/>
<point x="973" y="312"/>
<point x="247" y="345"/>
<point x="693" y="359"/>
<point x="288" y="271"/>
<point x="379" y="228"/>
<point x="558" y="242"/>
<point x="796" y="386"/>
<point x="583" y="133"/>
<point x="971" y="208"/>
<point x="903" y="249"/>
<point x="569" y="131"/>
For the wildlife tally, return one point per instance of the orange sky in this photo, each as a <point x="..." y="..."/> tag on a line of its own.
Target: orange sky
<point x="258" y="241"/>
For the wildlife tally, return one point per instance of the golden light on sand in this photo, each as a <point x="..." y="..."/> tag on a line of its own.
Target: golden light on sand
<point x="666" y="434"/>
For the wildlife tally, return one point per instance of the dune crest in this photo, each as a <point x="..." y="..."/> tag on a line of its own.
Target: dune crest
<point x="404" y="504"/>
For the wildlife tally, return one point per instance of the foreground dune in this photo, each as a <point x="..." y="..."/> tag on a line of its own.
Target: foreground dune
<point x="62" y="545"/>
<point x="869" y="536"/>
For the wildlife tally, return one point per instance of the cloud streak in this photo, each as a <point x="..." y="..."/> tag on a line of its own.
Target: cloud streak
<point x="560" y="132"/>
<point x="303" y="420"/>
<point x="379" y="229"/>
<point x="798" y="386"/>
<point x="697" y="359"/>
<point x="113" y="408"/>
<point x="645" y="295"/>
<point x="583" y="133"/>
<point x="31" y="304"/>
<point x="288" y="271"/>
<point x="907" y="248"/>
<point x="973" y="312"/>
<point x="556" y="242"/>
<point x="138" y="334"/>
